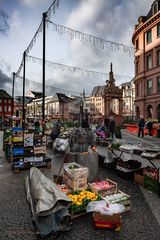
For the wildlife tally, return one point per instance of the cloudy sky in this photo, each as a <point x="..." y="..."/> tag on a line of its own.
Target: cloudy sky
<point x="112" y="20"/>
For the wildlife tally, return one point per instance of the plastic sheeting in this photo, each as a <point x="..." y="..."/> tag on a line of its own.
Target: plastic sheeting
<point x="49" y="206"/>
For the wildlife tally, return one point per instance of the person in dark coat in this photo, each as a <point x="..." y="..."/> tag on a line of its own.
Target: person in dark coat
<point x="56" y="130"/>
<point x="106" y="123"/>
<point x="149" y="126"/>
<point x="112" y="125"/>
<point x="141" y="125"/>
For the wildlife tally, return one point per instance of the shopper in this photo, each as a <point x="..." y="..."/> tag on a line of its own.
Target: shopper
<point x="149" y="126"/>
<point x="141" y="125"/>
<point x="112" y="125"/>
<point x="56" y="130"/>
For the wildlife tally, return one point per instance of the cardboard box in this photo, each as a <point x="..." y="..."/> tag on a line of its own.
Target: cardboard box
<point x="40" y="150"/>
<point x="107" y="191"/>
<point x="107" y="221"/>
<point x="139" y="179"/>
<point x="28" y="139"/>
<point x="18" y="139"/>
<point x="75" y="171"/>
<point x="76" y="184"/>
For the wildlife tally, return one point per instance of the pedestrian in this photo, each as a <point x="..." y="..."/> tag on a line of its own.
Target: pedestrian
<point x="112" y="125"/>
<point x="106" y="125"/>
<point x="55" y="132"/>
<point x="141" y="125"/>
<point x="149" y="126"/>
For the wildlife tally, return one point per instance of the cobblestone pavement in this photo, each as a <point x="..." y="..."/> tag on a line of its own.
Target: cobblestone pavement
<point x="16" y="221"/>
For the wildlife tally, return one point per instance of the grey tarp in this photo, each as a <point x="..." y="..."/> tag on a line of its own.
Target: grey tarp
<point x="49" y="206"/>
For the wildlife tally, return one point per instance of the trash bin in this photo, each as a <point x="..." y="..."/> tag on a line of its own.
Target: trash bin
<point x="158" y="133"/>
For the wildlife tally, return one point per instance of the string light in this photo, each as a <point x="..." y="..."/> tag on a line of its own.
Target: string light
<point x="89" y="39"/>
<point x="72" y="69"/>
<point x="49" y="89"/>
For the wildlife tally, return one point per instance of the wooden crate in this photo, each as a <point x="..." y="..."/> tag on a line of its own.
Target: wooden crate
<point x="76" y="184"/>
<point x="126" y="202"/>
<point x="104" y="192"/>
<point x="107" y="221"/>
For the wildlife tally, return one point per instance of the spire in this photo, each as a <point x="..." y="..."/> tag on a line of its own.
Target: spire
<point x="111" y="67"/>
<point x="111" y="77"/>
<point x="83" y="94"/>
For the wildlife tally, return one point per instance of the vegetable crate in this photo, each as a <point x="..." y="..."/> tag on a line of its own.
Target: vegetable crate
<point x="104" y="188"/>
<point x="107" y="221"/>
<point x="120" y="198"/>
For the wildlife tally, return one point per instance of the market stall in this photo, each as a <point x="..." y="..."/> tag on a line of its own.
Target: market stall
<point x="26" y="148"/>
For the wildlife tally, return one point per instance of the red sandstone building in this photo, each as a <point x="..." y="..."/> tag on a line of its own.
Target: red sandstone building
<point x="146" y="40"/>
<point x="5" y="104"/>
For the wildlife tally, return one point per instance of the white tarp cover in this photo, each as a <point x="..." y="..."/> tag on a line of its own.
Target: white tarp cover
<point x="49" y="206"/>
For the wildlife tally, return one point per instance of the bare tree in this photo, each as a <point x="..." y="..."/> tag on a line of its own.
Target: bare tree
<point x="3" y="21"/>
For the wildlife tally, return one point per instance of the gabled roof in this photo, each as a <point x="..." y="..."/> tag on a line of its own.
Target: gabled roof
<point x="95" y="90"/>
<point x="98" y="90"/>
<point x="150" y="13"/>
<point x="61" y="97"/>
<point x="125" y="84"/>
<point x="4" y="94"/>
<point x="37" y="94"/>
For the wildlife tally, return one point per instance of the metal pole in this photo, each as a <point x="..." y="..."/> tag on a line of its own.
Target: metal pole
<point x="13" y="94"/>
<point x="43" y="70"/>
<point x="24" y="78"/>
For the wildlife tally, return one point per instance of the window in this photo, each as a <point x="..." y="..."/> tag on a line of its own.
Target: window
<point x="137" y="67"/>
<point x="5" y="100"/>
<point x="155" y="8"/>
<point x="9" y="108"/>
<point x="9" y="100"/>
<point x="5" y="108"/>
<point x="149" y="86"/>
<point x="158" y="84"/>
<point x="137" y="44"/>
<point x="149" y="36"/>
<point x="158" y="58"/>
<point x="158" y="30"/>
<point x="0" y="100"/>
<point x="149" y="62"/>
<point x="0" y="108"/>
<point x="137" y="90"/>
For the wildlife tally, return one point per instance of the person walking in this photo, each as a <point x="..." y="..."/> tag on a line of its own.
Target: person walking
<point x="112" y="125"/>
<point x="141" y="125"/>
<point x="55" y="132"/>
<point x="106" y="125"/>
<point x="149" y="126"/>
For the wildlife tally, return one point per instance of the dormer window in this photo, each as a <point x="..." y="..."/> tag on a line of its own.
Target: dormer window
<point x="155" y="8"/>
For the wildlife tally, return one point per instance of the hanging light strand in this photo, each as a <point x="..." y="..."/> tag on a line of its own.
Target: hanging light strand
<point x="34" y="39"/>
<point x="89" y="39"/>
<point x="20" y="68"/>
<point x="52" y="8"/>
<point x="49" y="89"/>
<point x="72" y="69"/>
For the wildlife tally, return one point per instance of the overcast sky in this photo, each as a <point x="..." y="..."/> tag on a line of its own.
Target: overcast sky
<point x="112" y="20"/>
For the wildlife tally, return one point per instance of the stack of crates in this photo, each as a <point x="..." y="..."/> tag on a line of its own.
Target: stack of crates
<point x="39" y="149"/>
<point x="28" y="150"/>
<point x="17" y="148"/>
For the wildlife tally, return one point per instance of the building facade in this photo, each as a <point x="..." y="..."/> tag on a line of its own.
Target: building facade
<point x="59" y="105"/>
<point x="97" y="101"/>
<point x="5" y="104"/>
<point x="128" y="99"/>
<point x="146" y="40"/>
